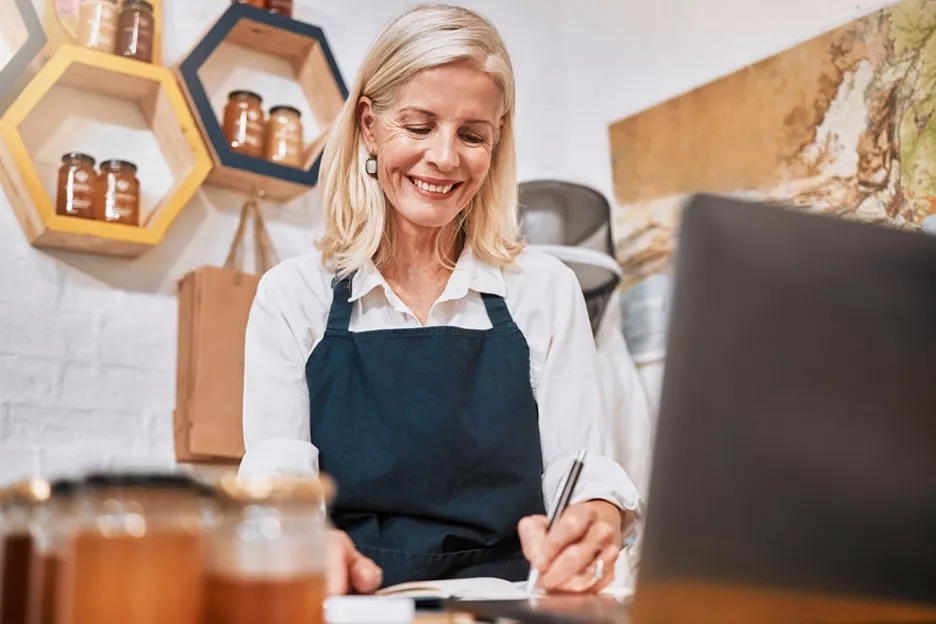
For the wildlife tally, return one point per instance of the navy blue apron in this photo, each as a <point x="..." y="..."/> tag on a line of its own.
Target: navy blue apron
<point x="432" y="437"/>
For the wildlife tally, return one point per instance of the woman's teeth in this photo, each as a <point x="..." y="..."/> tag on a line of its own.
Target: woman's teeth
<point x="432" y="188"/>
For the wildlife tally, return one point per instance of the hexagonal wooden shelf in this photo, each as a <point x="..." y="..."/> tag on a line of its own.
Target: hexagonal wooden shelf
<point x="22" y="39"/>
<point x="309" y="57"/>
<point x="142" y="116"/>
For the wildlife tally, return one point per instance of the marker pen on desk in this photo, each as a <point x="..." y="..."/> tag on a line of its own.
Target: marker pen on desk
<point x="559" y="505"/>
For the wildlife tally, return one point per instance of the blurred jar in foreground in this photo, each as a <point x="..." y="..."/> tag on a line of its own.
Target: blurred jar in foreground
<point x="18" y="504"/>
<point x="51" y="528"/>
<point x="266" y="554"/>
<point x="135" y="555"/>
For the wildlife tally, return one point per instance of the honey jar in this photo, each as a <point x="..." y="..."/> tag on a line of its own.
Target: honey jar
<point x="135" y="551"/>
<point x="51" y="530"/>
<point x="17" y="511"/>
<point x="135" y="30"/>
<point x="118" y="193"/>
<point x="267" y="547"/>
<point x="281" y="7"/>
<point x="76" y="186"/>
<point x="283" y="138"/>
<point x="244" y="123"/>
<point x="97" y="24"/>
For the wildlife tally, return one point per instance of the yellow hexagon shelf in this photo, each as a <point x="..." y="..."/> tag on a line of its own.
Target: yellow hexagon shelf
<point x="110" y="108"/>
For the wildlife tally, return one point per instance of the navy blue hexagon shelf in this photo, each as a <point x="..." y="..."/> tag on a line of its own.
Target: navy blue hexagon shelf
<point x="300" y="47"/>
<point x="28" y="39"/>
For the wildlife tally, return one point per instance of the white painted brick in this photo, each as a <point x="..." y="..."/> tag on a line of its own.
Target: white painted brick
<point x="116" y="388"/>
<point x="27" y="425"/>
<point x="139" y="339"/>
<point x="43" y="331"/>
<point x="28" y="379"/>
<point x="159" y="436"/>
<point x="82" y="292"/>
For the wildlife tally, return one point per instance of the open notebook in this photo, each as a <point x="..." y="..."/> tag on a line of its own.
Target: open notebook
<point x="480" y="588"/>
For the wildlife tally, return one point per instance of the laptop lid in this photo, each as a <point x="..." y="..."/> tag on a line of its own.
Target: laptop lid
<point x="796" y="443"/>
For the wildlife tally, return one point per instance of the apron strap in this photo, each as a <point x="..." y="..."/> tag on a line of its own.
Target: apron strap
<point x="497" y="310"/>
<point x="339" y="314"/>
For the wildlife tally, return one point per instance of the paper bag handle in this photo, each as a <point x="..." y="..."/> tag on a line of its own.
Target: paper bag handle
<point x="265" y="257"/>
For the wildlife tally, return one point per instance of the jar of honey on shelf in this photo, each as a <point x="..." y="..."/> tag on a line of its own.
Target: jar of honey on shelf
<point x="244" y="123"/>
<point x="283" y="139"/>
<point x="18" y="505"/>
<point x="281" y="7"/>
<point x="267" y="547"/>
<point x="135" y="551"/>
<point x="118" y="193"/>
<point x="135" y="30"/>
<point x="76" y="186"/>
<point x="97" y="24"/>
<point x="51" y="530"/>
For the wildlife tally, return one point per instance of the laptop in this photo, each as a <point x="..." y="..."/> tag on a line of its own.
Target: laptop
<point x="794" y="471"/>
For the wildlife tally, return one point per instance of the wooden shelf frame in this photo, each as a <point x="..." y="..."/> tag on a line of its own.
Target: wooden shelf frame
<point x="155" y="91"/>
<point x="12" y="72"/>
<point x="306" y="49"/>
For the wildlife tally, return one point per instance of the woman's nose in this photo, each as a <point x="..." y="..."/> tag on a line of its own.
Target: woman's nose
<point x="443" y="151"/>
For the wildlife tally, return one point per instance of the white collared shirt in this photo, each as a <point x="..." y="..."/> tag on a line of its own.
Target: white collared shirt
<point x="288" y="319"/>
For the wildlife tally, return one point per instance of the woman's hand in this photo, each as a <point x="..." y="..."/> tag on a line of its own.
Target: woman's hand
<point x="349" y="572"/>
<point x="566" y="557"/>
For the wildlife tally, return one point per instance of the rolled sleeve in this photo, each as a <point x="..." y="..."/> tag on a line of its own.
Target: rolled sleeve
<point x="571" y="416"/>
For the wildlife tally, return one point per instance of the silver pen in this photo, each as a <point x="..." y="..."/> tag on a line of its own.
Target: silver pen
<point x="559" y="506"/>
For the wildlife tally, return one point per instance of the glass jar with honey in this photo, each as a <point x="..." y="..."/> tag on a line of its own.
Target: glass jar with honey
<point x="18" y="505"/>
<point x="135" y="551"/>
<point x="268" y="547"/>
<point x="244" y="123"/>
<point x="97" y="24"/>
<point x="118" y="193"/>
<point x="281" y="7"/>
<point x="283" y="138"/>
<point x="135" y="30"/>
<point x="77" y="180"/>
<point x="51" y="530"/>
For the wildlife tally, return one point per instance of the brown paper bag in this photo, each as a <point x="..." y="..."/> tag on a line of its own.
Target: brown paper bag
<point x="214" y="304"/>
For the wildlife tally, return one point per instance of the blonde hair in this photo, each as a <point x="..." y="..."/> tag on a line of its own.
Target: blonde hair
<point x="357" y="227"/>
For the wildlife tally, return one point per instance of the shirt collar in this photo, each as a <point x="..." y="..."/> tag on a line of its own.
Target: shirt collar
<point x="469" y="274"/>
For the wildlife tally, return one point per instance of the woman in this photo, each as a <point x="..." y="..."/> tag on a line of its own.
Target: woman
<point x="443" y="375"/>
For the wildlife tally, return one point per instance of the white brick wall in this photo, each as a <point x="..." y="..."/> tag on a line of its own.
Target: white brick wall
<point x="87" y="343"/>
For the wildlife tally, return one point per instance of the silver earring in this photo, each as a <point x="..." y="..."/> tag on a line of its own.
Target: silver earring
<point x="370" y="166"/>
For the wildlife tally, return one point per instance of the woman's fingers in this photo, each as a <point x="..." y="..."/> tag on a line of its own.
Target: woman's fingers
<point x="571" y="527"/>
<point x="532" y="532"/>
<point x="577" y="555"/>
<point x="348" y="570"/>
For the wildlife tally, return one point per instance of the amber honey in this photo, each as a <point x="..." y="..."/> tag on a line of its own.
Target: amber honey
<point x="232" y="599"/>
<point x="15" y="574"/>
<point x="153" y="579"/>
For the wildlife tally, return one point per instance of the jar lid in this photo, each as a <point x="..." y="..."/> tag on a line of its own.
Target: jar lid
<point x="143" y="4"/>
<point x="279" y="488"/>
<point x="77" y="156"/>
<point x="285" y="108"/>
<point x="29" y="492"/>
<point x="118" y="164"/>
<point x="144" y="480"/>
<point x="244" y="93"/>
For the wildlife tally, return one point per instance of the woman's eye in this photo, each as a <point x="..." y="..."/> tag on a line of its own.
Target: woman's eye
<point x="473" y="138"/>
<point x="418" y="129"/>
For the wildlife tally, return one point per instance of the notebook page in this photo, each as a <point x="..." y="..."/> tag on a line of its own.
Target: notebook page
<point x="480" y="588"/>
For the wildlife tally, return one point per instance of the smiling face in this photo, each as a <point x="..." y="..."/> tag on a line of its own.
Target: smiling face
<point x="434" y="144"/>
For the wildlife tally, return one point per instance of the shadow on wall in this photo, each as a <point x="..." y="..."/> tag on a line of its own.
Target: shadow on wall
<point x="202" y="234"/>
